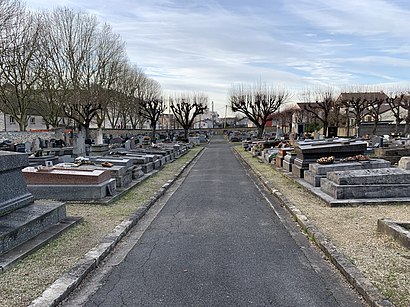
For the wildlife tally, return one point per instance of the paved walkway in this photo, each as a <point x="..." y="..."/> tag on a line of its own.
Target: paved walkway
<point x="217" y="242"/>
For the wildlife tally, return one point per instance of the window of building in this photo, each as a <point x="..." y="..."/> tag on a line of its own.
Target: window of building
<point x="12" y="120"/>
<point x="32" y="120"/>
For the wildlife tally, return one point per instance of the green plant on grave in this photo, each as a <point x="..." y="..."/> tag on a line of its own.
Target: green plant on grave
<point x="312" y="127"/>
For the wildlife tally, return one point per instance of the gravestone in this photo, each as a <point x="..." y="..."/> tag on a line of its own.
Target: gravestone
<point x="317" y="171"/>
<point x="281" y="155"/>
<point x="22" y="218"/>
<point x="393" y="153"/>
<point x="332" y="132"/>
<point x="309" y="152"/>
<point x="36" y="145"/>
<point x="100" y="137"/>
<point x="288" y="161"/>
<point x="99" y="150"/>
<point x="370" y="183"/>
<point x="70" y="183"/>
<point x="79" y="144"/>
<point x="133" y="143"/>
<point x="404" y="163"/>
<point x="127" y="145"/>
<point x="27" y="147"/>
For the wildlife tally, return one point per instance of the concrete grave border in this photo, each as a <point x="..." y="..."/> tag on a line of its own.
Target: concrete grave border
<point x="395" y="230"/>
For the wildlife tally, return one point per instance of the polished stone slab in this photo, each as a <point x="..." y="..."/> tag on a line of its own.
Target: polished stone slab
<point x="75" y="192"/>
<point x="363" y="184"/>
<point x="370" y="176"/>
<point x="65" y="176"/>
<point x="317" y="171"/>
<point x="309" y="152"/>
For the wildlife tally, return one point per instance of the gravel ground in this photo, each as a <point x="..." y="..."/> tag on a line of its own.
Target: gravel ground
<point x="353" y="230"/>
<point x="20" y="285"/>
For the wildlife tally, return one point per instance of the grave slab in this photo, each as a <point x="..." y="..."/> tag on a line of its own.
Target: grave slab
<point x="64" y="176"/>
<point x="309" y="152"/>
<point x="317" y="171"/>
<point x="363" y="184"/>
<point x="67" y="192"/>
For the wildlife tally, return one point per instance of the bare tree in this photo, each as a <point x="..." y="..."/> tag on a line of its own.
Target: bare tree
<point x="19" y="66"/>
<point x="10" y="10"/>
<point x="118" y="108"/>
<point x="393" y="101"/>
<point x="137" y="82"/>
<point x="360" y="101"/>
<point x="285" y="117"/>
<point x="376" y="107"/>
<point x="402" y="99"/>
<point x="152" y="105"/>
<point x="186" y="108"/>
<point x="85" y="56"/>
<point x="321" y="104"/>
<point x="257" y="102"/>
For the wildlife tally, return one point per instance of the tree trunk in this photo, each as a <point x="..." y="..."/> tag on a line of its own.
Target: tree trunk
<point x="154" y="129"/>
<point x="186" y="131"/>
<point x="374" y="128"/>
<point x="22" y="125"/>
<point x="87" y="131"/>
<point x="325" y="126"/>
<point x="261" y="128"/>
<point x="396" y="131"/>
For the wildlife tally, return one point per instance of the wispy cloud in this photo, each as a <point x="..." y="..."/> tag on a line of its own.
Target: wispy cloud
<point x="209" y="45"/>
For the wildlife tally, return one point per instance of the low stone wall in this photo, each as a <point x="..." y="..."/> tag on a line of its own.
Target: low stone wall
<point x="22" y="137"/>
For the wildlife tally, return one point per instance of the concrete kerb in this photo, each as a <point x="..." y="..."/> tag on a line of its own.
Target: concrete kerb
<point x="369" y="292"/>
<point x="63" y="286"/>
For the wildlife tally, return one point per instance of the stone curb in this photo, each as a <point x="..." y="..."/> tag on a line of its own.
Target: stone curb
<point x="356" y="278"/>
<point x="64" y="285"/>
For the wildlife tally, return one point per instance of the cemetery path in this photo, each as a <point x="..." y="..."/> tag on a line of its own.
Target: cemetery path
<point x="217" y="242"/>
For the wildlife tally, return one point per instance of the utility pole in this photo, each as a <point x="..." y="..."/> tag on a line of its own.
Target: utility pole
<point x="213" y="118"/>
<point x="226" y="111"/>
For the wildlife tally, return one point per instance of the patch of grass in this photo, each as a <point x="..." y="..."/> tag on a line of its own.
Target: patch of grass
<point x="20" y="285"/>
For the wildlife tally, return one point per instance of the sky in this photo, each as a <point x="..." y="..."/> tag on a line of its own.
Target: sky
<point x="208" y="46"/>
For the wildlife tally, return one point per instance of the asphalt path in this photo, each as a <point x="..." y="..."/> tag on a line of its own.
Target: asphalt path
<point x="220" y="240"/>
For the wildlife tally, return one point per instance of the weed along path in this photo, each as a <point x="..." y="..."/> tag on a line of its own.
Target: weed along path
<point x="219" y="240"/>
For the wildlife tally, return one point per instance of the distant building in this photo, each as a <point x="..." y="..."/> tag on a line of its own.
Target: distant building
<point x="8" y="123"/>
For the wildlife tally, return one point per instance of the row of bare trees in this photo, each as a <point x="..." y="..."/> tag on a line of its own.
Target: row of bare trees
<point x="331" y="108"/>
<point x="261" y="103"/>
<point x="63" y="64"/>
